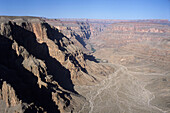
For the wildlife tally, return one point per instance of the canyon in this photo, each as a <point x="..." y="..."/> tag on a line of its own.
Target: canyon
<point x="84" y="65"/>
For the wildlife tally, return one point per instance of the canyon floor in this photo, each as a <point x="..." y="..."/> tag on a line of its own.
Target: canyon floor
<point x="141" y="87"/>
<point x="141" y="81"/>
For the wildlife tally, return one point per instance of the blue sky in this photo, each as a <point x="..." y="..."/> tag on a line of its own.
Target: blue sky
<point x="96" y="9"/>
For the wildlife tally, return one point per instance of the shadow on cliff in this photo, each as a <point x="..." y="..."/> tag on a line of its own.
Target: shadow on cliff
<point x="56" y="36"/>
<point x="23" y="81"/>
<point x="28" y="40"/>
<point x="90" y="57"/>
<point x="80" y="39"/>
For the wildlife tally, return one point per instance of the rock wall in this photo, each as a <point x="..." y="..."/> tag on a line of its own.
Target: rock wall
<point x="39" y="67"/>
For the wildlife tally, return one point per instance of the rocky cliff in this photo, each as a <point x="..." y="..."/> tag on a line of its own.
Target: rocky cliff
<point x="80" y="30"/>
<point x="39" y="67"/>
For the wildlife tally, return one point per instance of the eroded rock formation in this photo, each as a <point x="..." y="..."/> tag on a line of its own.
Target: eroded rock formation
<point x="39" y="67"/>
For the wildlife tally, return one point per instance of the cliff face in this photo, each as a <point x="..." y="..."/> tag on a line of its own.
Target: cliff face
<point x="78" y="32"/>
<point x="39" y="67"/>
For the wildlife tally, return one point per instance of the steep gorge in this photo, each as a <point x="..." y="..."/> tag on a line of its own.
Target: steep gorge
<point x="40" y="66"/>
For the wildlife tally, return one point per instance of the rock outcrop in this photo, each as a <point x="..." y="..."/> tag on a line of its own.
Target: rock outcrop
<point x="39" y="67"/>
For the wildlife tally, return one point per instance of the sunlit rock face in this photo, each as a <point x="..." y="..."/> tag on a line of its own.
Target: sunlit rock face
<point x="39" y="67"/>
